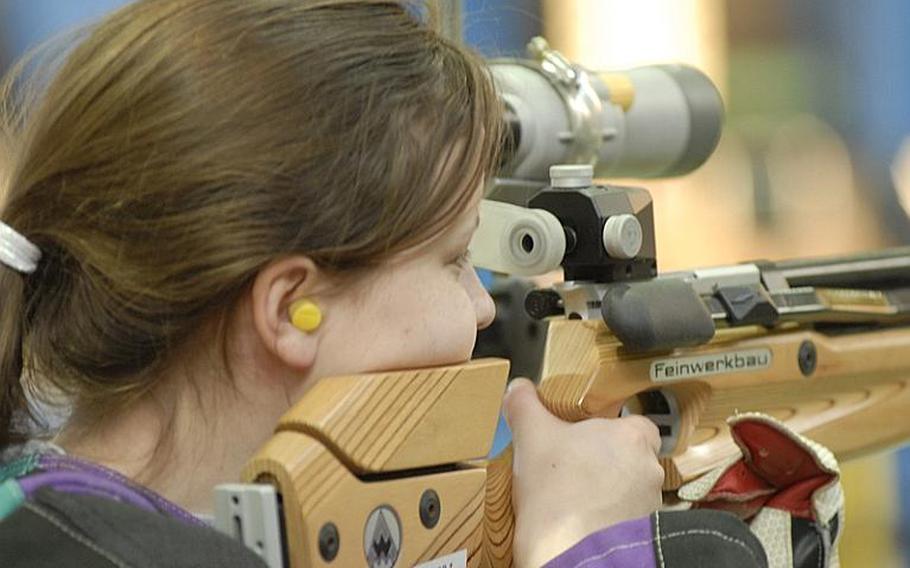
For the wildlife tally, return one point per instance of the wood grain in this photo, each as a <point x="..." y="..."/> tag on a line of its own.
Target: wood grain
<point x="499" y="518"/>
<point x="403" y="420"/>
<point x="353" y="444"/>
<point x="318" y="489"/>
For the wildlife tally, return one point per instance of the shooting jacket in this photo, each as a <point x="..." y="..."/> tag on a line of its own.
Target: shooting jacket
<point x="58" y="511"/>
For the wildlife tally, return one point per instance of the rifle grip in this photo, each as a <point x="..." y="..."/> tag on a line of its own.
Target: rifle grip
<point x="499" y="517"/>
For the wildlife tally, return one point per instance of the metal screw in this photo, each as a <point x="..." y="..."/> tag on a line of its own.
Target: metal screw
<point x="807" y="357"/>
<point x="430" y="508"/>
<point x="329" y="541"/>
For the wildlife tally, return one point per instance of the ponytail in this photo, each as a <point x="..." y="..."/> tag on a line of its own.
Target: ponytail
<point x="13" y="403"/>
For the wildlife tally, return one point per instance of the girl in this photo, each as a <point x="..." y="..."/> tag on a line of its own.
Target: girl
<point x="194" y="171"/>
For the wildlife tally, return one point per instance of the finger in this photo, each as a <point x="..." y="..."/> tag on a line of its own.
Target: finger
<point x="648" y="430"/>
<point x="524" y="412"/>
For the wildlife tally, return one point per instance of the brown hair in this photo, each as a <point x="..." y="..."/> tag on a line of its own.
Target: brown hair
<point x="184" y="144"/>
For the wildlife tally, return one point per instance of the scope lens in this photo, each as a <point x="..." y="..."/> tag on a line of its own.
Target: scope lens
<point x="511" y="134"/>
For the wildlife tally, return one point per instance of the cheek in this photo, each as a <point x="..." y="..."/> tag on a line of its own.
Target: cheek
<point x="445" y="326"/>
<point x="462" y="324"/>
<point x="422" y="321"/>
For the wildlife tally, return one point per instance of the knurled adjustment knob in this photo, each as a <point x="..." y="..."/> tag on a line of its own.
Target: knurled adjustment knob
<point x="576" y="176"/>
<point x="622" y="236"/>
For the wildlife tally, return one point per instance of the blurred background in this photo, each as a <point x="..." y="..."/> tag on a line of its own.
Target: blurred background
<point x="814" y="159"/>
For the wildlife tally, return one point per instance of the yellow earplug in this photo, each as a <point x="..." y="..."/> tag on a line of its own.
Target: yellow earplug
<point x="305" y="315"/>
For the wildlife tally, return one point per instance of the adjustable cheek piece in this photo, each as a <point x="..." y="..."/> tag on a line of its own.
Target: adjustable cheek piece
<point x="305" y="315"/>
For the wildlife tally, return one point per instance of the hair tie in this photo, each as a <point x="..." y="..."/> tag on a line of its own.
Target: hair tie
<point x="16" y="251"/>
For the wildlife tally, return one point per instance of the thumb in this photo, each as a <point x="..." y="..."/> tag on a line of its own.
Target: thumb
<point x="524" y="412"/>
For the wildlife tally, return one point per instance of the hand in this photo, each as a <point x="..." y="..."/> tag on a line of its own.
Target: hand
<point x="572" y="479"/>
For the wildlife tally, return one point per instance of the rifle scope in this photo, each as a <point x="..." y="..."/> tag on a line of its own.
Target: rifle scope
<point x="647" y="122"/>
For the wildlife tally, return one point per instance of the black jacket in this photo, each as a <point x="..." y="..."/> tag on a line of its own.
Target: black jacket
<point x="54" y="529"/>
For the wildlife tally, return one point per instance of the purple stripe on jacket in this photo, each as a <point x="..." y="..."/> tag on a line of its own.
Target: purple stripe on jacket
<point x="81" y="482"/>
<point x="627" y="545"/>
<point x="79" y="476"/>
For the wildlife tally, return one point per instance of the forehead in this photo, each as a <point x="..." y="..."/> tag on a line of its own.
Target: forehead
<point x="459" y="228"/>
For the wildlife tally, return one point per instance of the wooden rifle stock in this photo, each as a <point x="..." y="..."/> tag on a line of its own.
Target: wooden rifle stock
<point x="395" y="445"/>
<point x="844" y="390"/>
<point x="356" y="444"/>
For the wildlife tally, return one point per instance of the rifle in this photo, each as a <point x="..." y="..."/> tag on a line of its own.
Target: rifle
<point x="383" y="470"/>
<point x="398" y="446"/>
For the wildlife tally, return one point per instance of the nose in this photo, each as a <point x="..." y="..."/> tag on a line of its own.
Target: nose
<point x="484" y="306"/>
<point x="486" y="310"/>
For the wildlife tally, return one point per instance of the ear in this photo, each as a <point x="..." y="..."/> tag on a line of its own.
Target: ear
<point x="275" y="288"/>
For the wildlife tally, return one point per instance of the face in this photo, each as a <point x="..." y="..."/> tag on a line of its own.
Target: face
<point x="422" y="309"/>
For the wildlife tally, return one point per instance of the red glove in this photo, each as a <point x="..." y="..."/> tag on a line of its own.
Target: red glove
<point x="785" y="486"/>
